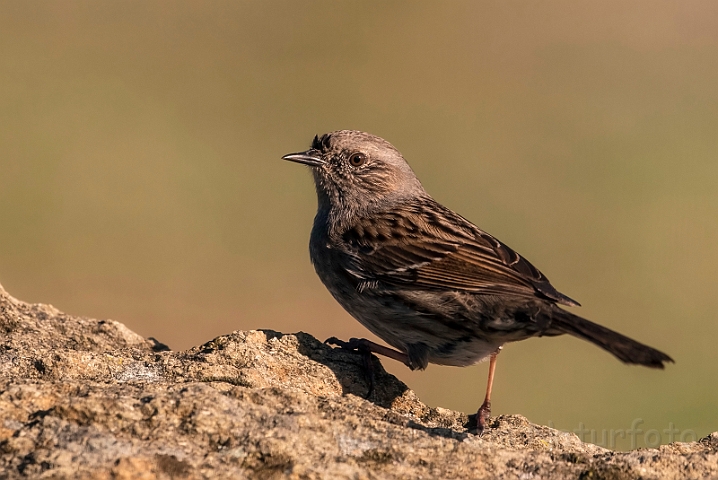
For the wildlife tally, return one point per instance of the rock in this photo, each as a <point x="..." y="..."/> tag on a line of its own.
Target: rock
<point x="84" y="398"/>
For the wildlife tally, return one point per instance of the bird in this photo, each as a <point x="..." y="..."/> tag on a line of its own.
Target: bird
<point x="425" y="280"/>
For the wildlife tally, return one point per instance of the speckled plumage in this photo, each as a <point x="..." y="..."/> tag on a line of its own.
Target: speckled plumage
<point x="421" y="277"/>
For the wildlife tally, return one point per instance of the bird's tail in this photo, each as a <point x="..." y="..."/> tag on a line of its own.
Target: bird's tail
<point x="626" y="349"/>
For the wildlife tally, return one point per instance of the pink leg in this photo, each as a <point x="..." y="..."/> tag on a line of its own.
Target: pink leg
<point x="368" y="345"/>
<point x="484" y="413"/>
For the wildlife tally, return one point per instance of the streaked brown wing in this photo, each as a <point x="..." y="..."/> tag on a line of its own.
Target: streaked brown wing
<point x="426" y="245"/>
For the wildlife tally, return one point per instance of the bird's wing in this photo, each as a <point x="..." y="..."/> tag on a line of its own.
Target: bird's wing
<point x="425" y="245"/>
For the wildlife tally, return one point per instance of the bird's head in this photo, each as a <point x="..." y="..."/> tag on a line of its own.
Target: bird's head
<point x="355" y="170"/>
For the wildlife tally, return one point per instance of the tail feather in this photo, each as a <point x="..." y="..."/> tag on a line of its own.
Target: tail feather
<point x="624" y="348"/>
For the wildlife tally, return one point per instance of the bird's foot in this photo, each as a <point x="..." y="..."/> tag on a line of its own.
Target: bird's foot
<point x="482" y="417"/>
<point x="353" y="343"/>
<point x="363" y="347"/>
<point x="361" y="344"/>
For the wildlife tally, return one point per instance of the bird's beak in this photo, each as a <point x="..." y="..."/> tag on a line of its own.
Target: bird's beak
<point x="311" y="157"/>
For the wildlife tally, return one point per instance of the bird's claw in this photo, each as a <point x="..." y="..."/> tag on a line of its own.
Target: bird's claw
<point x="353" y="343"/>
<point x="482" y="417"/>
<point x="362" y="347"/>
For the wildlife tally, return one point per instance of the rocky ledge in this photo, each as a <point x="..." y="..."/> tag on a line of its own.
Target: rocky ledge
<point x="84" y="398"/>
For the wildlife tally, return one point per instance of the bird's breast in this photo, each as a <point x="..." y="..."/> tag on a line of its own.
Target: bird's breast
<point x="327" y="258"/>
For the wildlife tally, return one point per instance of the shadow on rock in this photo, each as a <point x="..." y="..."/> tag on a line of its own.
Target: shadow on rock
<point x="351" y="372"/>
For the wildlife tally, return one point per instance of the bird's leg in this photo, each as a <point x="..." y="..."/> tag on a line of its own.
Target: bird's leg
<point x="359" y="344"/>
<point x="366" y="348"/>
<point x="484" y="413"/>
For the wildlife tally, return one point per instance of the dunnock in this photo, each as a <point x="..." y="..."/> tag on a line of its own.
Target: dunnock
<point x="424" y="279"/>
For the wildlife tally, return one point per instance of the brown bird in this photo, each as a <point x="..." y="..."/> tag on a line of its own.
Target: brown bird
<point x="424" y="279"/>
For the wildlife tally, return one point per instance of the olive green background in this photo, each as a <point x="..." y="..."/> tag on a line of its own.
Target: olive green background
<point x="140" y="177"/>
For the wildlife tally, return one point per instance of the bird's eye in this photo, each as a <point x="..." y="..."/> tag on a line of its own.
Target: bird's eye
<point x="357" y="159"/>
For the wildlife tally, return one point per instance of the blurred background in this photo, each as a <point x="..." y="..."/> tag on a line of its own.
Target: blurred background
<point x="140" y="177"/>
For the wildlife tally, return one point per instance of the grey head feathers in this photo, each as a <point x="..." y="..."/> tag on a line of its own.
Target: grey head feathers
<point x="359" y="171"/>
